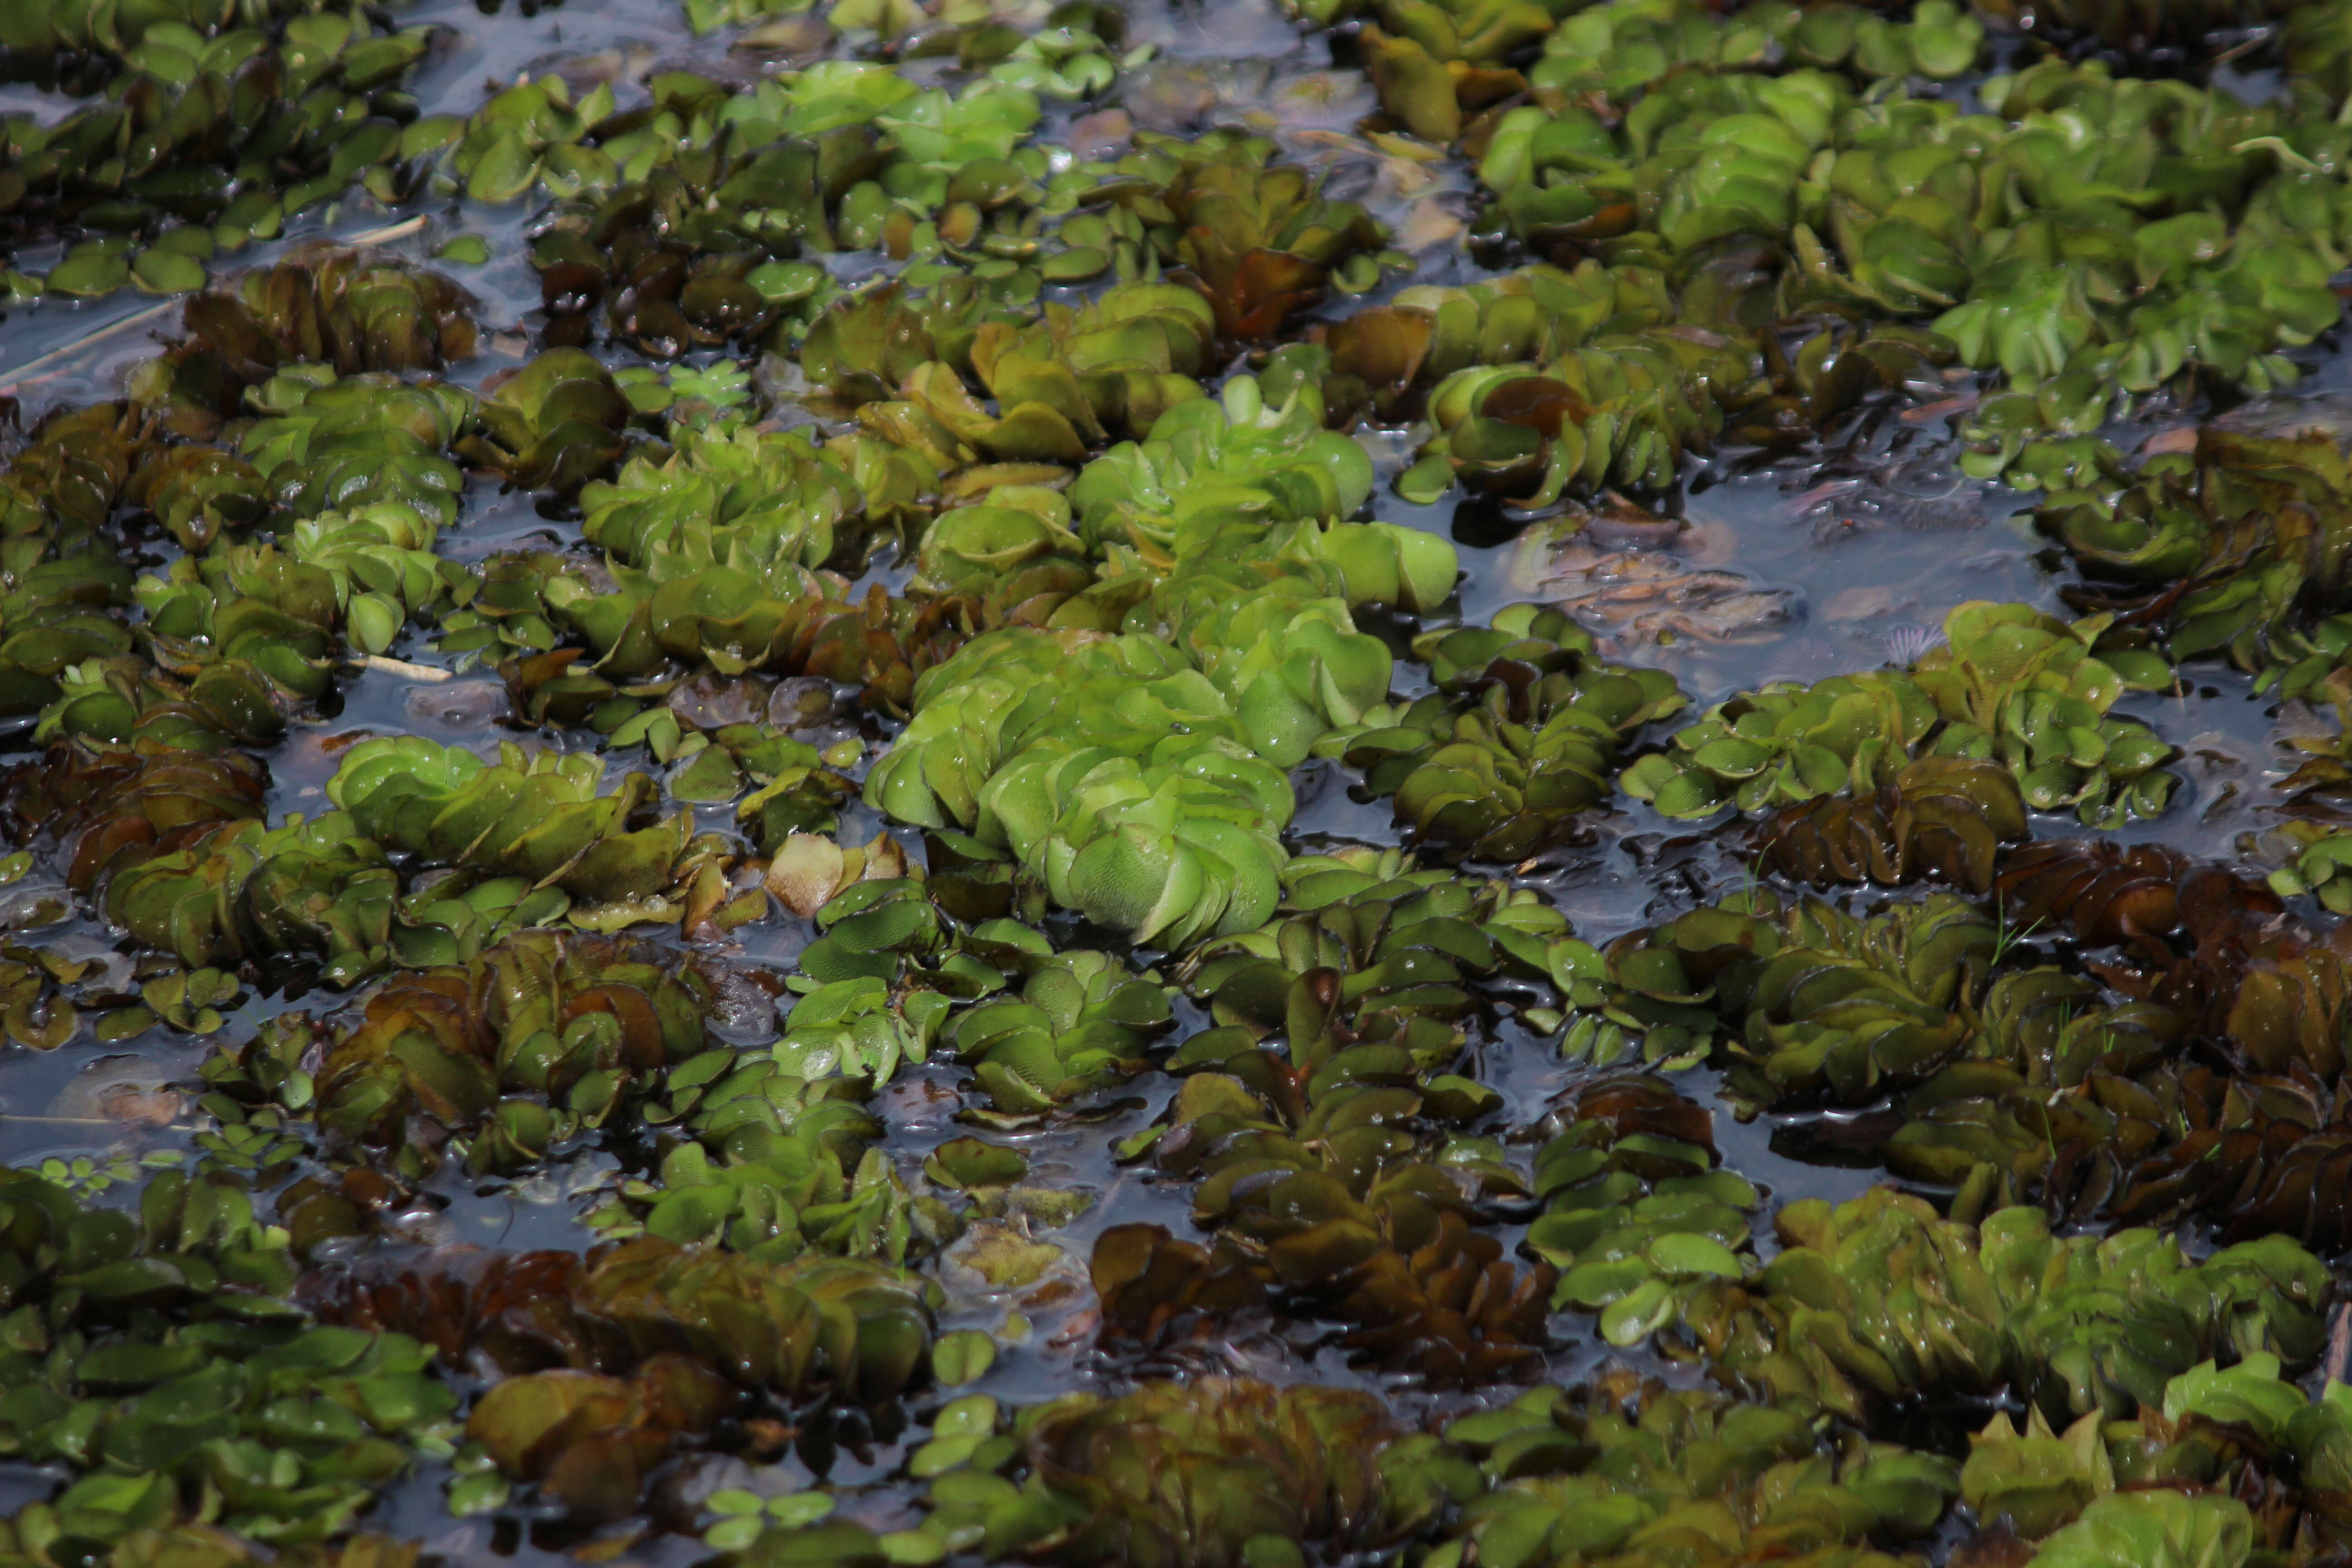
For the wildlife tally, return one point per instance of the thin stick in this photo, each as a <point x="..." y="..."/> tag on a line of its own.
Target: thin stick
<point x="369" y="237"/>
<point x="85" y="1121"/>
<point x="401" y="667"/>
<point x="2256" y="42"/>
<point x="112" y="329"/>
<point x="400" y="230"/>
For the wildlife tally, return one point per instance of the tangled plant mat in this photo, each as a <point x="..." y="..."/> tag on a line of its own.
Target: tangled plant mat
<point x="1227" y="783"/>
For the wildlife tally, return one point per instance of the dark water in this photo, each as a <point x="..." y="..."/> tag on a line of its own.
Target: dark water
<point x="1838" y="562"/>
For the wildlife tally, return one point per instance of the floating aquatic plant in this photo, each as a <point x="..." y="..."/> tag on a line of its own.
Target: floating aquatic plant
<point x="912" y="661"/>
<point x="2010" y="685"/>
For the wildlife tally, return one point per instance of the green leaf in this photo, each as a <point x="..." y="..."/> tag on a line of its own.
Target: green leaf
<point x="1686" y="1252"/>
<point x="373" y="622"/>
<point x="161" y="271"/>
<point x="507" y="169"/>
<point x="88" y="275"/>
<point x="963" y="1357"/>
